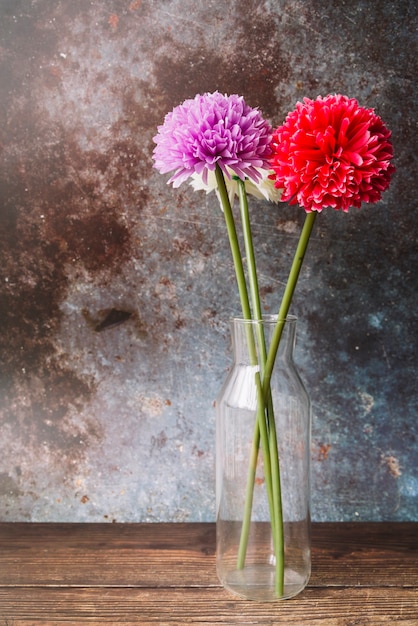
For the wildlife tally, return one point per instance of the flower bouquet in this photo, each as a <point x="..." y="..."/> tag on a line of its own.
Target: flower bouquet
<point x="330" y="152"/>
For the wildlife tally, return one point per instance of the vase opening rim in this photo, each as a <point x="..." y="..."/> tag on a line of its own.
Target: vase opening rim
<point x="267" y="319"/>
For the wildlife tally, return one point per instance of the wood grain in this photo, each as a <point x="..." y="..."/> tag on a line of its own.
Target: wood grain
<point x="208" y="606"/>
<point x="363" y="574"/>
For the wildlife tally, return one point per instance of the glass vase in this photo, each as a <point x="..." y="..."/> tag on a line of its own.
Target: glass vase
<point x="263" y="467"/>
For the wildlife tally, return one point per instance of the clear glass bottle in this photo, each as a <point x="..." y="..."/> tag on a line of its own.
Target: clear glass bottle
<point x="258" y="558"/>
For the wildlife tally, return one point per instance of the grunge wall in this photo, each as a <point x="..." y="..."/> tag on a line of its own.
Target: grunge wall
<point x="116" y="290"/>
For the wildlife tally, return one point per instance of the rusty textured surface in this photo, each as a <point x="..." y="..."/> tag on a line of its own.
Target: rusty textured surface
<point x="116" y="290"/>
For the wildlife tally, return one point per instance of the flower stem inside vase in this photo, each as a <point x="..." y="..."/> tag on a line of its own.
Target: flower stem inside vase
<point x="265" y="436"/>
<point x="252" y="559"/>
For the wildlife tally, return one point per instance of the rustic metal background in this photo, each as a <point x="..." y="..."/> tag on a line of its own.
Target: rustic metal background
<point x="116" y="290"/>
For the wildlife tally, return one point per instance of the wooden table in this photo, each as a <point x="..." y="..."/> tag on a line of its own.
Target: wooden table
<point x="72" y="574"/>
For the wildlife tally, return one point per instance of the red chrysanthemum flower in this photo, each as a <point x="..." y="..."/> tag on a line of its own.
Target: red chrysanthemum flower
<point x="330" y="152"/>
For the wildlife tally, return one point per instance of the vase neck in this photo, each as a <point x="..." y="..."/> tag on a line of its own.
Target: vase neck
<point x="251" y="339"/>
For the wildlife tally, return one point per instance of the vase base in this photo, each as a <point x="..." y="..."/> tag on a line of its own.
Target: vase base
<point x="257" y="582"/>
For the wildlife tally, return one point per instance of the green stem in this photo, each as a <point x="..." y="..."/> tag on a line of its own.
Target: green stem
<point x="249" y="251"/>
<point x="233" y="242"/>
<point x="278" y="529"/>
<point x="264" y="429"/>
<point x="260" y="433"/>
<point x="287" y="297"/>
<point x="246" y="312"/>
<point x="265" y="418"/>
<point x="260" y="429"/>
<point x="271" y="357"/>
<point x="249" y="492"/>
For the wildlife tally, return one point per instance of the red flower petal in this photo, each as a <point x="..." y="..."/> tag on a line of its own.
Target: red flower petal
<point x="331" y="152"/>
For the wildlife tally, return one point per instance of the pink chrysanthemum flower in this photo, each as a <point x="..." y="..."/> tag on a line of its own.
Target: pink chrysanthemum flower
<point x="330" y="152"/>
<point x="212" y="129"/>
